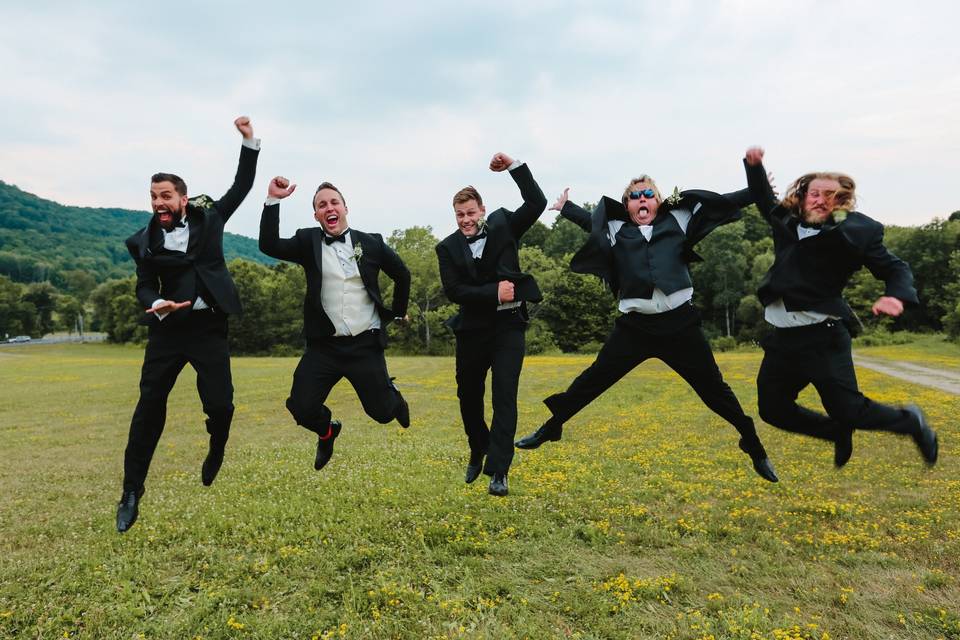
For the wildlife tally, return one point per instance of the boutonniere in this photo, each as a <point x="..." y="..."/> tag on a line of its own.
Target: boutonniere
<point x="840" y="215"/>
<point x="675" y="197"/>
<point x="357" y="252"/>
<point x="202" y="201"/>
<point x="481" y="224"/>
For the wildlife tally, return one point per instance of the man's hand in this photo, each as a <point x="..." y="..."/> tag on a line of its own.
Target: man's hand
<point x="562" y="200"/>
<point x="505" y="291"/>
<point x="500" y="162"/>
<point x="168" y="306"/>
<point x="280" y="188"/>
<point x="887" y="305"/>
<point x="244" y="127"/>
<point x="754" y="156"/>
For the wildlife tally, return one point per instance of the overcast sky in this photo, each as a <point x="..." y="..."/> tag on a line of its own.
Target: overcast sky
<point x="401" y="104"/>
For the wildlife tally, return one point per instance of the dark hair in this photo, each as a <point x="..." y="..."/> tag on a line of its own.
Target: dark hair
<point x="467" y="194"/>
<point x="178" y="183"/>
<point x="327" y="185"/>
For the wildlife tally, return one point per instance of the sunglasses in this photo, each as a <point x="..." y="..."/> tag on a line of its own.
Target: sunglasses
<point x="646" y="193"/>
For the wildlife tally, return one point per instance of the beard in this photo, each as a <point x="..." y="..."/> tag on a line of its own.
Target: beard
<point x="169" y="218"/>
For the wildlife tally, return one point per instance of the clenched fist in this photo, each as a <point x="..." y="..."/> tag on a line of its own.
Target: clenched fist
<point x="244" y="127"/>
<point x="280" y="188"/>
<point x="500" y="162"/>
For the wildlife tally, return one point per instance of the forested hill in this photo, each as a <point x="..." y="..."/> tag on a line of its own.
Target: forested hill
<point x="41" y="239"/>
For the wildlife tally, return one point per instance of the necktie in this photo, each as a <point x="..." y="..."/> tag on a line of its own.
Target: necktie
<point x="331" y="239"/>
<point x="474" y="238"/>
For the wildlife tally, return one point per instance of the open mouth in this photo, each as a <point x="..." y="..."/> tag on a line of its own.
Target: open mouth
<point x="332" y="220"/>
<point x="164" y="216"/>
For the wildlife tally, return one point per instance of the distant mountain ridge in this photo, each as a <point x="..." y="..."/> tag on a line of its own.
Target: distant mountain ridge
<point x="40" y="238"/>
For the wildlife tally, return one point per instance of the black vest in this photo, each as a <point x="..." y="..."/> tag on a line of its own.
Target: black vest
<point x="658" y="263"/>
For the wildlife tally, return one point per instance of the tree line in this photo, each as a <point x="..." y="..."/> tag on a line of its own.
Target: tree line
<point x="575" y="315"/>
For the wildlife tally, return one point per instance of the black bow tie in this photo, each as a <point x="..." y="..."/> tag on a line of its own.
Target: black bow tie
<point x="810" y="225"/>
<point x="474" y="238"/>
<point x="331" y="239"/>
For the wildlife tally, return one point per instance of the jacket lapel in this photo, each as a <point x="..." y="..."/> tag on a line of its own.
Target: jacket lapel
<point x="195" y="219"/>
<point x="318" y="248"/>
<point x="465" y="255"/>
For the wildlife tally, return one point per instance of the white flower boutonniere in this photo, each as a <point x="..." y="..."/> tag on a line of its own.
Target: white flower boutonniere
<point x="840" y="215"/>
<point x="675" y="197"/>
<point x="202" y="201"/>
<point x="357" y="252"/>
<point x="481" y="224"/>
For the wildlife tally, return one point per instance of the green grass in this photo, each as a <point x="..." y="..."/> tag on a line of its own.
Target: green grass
<point x="645" y="521"/>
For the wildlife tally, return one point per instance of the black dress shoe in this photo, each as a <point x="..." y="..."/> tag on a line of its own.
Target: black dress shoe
<point x="548" y="432"/>
<point x="403" y="413"/>
<point x="498" y="484"/>
<point x="325" y="445"/>
<point x="843" y="448"/>
<point x="764" y="469"/>
<point x="758" y="456"/>
<point x="211" y="464"/>
<point x="474" y="467"/>
<point x="127" y="509"/>
<point x="925" y="437"/>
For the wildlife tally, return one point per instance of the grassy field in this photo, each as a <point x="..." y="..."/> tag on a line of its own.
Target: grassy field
<point x="644" y="522"/>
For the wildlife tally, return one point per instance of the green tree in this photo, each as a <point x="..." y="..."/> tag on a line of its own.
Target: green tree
<point x="13" y="312"/>
<point x="416" y="247"/>
<point x="565" y="237"/>
<point x="579" y="310"/>
<point x="720" y="280"/>
<point x="43" y="296"/>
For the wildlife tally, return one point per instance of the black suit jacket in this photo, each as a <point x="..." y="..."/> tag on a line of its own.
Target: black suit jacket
<point x="473" y="284"/>
<point x="174" y="276"/>
<point x="595" y="257"/>
<point x="305" y="248"/>
<point x="811" y="275"/>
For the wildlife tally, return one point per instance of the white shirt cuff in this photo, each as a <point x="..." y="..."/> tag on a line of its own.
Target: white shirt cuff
<point x="252" y="143"/>
<point x="270" y="201"/>
<point x="516" y="164"/>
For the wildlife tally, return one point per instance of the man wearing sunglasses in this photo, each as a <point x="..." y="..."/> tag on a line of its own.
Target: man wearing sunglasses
<point x="641" y="246"/>
<point x="819" y="243"/>
<point x="480" y="269"/>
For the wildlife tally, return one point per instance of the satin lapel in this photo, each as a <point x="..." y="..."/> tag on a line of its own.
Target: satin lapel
<point x="357" y="241"/>
<point x="465" y="254"/>
<point x="317" y="238"/>
<point x="195" y="219"/>
<point x="143" y="242"/>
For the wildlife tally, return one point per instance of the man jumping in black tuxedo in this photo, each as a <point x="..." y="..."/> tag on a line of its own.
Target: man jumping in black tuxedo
<point x="480" y="270"/>
<point x="183" y="282"/>
<point x="345" y="319"/>
<point x="640" y="246"/>
<point x="819" y="243"/>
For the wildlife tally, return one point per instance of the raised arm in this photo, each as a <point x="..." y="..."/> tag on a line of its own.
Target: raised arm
<point x="270" y="241"/>
<point x="577" y="215"/>
<point x="534" y="202"/>
<point x="456" y="289"/>
<point x="758" y="183"/>
<point x="246" y="170"/>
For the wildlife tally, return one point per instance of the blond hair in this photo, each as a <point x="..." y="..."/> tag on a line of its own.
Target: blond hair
<point x="844" y="198"/>
<point x="642" y="179"/>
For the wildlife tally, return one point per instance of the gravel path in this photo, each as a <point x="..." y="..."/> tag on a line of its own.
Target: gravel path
<point x="941" y="379"/>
